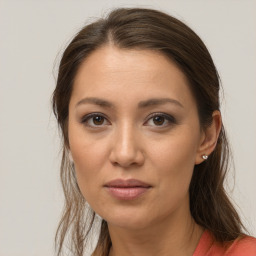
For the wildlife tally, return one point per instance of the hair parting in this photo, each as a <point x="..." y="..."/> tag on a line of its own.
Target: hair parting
<point x="138" y="28"/>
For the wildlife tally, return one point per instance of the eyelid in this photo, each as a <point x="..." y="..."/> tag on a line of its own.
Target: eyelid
<point x="169" y="118"/>
<point x="87" y="117"/>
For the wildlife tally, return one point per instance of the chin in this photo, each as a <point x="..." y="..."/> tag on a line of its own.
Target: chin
<point x="128" y="224"/>
<point x="127" y="218"/>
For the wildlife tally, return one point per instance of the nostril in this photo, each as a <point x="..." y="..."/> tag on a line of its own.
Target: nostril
<point x="125" y="161"/>
<point x="125" y="150"/>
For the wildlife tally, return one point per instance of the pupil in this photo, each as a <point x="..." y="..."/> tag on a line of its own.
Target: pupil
<point x="158" y="120"/>
<point x="98" y="120"/>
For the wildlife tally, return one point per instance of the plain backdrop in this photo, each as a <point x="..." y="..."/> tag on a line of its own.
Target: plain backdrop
<point x="33" y="34"/>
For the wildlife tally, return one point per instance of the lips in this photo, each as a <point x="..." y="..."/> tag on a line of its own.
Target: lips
<point x="127" y="189"/>
<point x="119" y="183"/>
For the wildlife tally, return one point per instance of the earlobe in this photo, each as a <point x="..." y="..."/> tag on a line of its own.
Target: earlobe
<point x="210" y="138"/>
<point x="205" y="157"/>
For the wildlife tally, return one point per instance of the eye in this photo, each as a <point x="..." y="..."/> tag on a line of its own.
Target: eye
<point x="94" y="120"/>
<point x="160" y="119"/>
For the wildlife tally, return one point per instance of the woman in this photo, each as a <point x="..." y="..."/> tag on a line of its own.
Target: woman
<point x="137" y="101"/>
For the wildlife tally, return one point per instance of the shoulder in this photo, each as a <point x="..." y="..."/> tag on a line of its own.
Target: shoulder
<point x="242" y="246"/>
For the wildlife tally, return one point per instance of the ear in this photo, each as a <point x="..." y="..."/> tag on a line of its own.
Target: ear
<point x="209" y="137"/>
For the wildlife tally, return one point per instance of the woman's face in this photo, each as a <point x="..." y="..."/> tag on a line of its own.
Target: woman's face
<point x="133" y="116"/>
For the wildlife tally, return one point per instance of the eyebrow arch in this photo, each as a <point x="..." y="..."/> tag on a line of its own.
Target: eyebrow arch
<point x="158" y="101"/>
<point x="142" y="104"/>
<point x="95" y="101"/>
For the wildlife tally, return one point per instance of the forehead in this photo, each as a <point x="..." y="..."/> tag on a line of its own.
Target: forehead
<point x="112" y="73"/>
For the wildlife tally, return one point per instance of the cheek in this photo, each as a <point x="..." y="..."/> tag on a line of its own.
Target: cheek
<point x="90" y="157"/>
<point x="85" y="149"/>
<point x="177" y="150"/>
<point x="174" y="160"/>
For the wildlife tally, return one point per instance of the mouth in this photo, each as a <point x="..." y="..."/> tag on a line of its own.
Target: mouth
<point x="127" y="189"/>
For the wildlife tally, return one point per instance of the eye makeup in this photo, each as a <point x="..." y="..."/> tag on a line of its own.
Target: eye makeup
<point x="158" y="119"/>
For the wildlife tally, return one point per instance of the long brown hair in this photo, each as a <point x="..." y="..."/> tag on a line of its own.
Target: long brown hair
<point x="137" y="28"/>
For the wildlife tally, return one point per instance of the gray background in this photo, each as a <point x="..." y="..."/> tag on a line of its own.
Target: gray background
<point x="32" y="36"/>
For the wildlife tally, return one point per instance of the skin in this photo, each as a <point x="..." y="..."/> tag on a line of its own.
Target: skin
<point x="129" y="143"/>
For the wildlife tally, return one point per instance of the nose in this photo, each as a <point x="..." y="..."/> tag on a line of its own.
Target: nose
<point x="126" y="147"/>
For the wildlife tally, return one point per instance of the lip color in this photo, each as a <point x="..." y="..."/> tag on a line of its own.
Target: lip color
<point x="128" y="189"/>
<point x="127" y="193"/>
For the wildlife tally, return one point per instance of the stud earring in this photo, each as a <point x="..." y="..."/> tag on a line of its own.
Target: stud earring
<point x="204" y="157"/>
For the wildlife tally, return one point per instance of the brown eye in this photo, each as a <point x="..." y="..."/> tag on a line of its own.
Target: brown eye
<point x="98" y="120"/>
<point x="95" y="120"/>
<point x="158" y="120"/>
<point x="161" y="120"/>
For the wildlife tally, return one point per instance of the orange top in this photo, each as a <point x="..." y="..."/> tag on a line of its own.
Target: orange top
<point x="242" y="246"/>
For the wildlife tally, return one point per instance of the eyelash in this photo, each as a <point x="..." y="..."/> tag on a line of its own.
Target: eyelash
<point x="89" y="116"/>
<point x="170" y="119"/>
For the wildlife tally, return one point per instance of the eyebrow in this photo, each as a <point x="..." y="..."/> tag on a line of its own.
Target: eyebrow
<point x="95" y="101"/>
<point x="158" y="101"/>
<point x="142" y="104"/>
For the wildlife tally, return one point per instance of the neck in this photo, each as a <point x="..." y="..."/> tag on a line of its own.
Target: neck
<point x="172" y="236"/>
